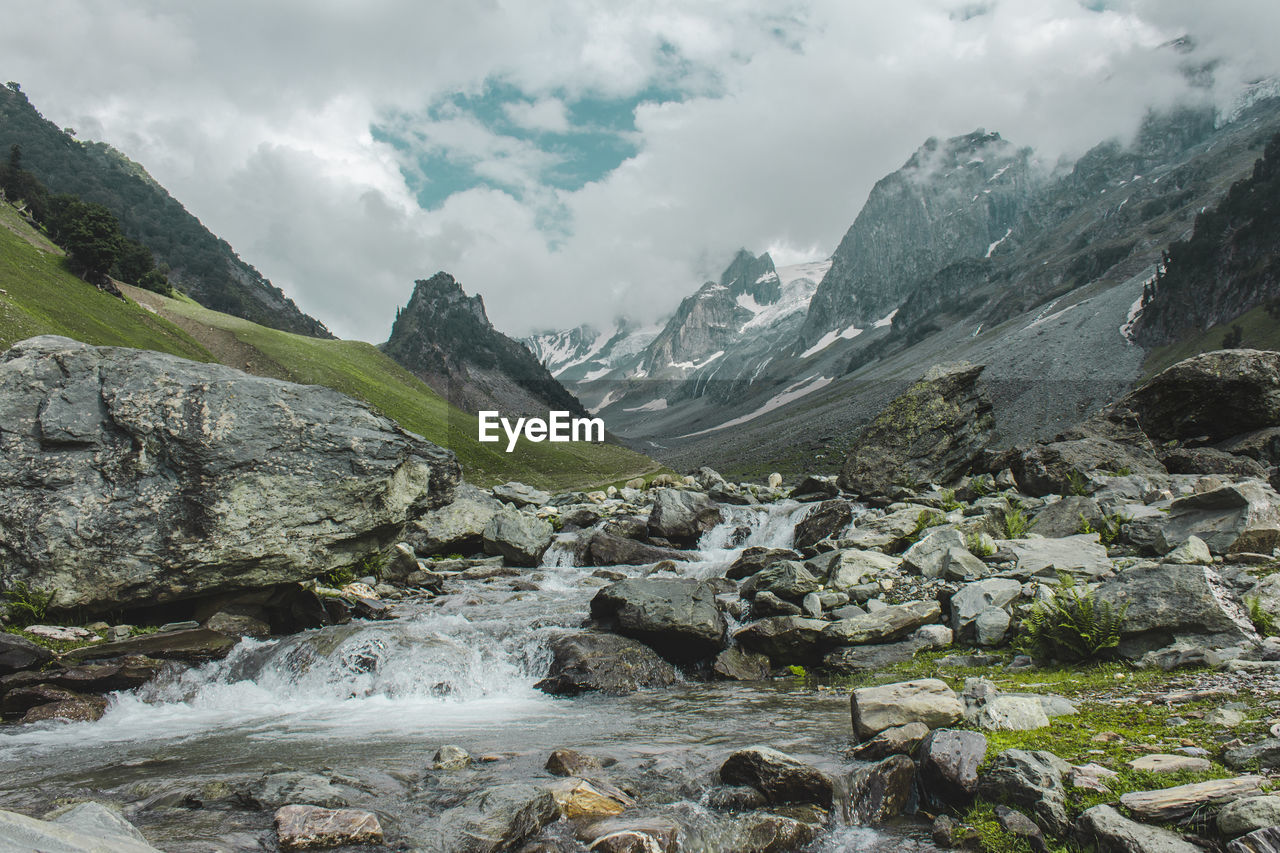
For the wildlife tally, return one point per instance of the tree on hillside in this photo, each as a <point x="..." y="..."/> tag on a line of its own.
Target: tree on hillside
<point x="91" y="236"/>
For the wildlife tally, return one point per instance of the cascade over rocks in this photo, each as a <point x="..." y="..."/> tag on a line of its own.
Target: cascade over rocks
<point x="682" y="516"/>
<point x="678" y="618"/>
<point x="826" y="520"/>
<point x="131" y="477"/>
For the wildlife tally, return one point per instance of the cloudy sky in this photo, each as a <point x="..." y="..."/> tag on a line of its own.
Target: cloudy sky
<point x="575" y="160"/>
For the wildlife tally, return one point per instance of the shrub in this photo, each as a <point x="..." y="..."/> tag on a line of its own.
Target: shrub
<point x="27" y="605"/>
<point x="1017" y="523"/>
<point x="1072" y="626"/>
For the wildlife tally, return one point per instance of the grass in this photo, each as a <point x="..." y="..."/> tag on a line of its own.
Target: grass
<point x="1260" y="331"/>
<point x="43" y="298"/>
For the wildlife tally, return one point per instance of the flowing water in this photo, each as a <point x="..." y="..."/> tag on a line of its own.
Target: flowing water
<point x="372" y="701"/>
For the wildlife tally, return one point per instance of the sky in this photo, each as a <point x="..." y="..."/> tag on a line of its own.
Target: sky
<point x="582" y="160"/>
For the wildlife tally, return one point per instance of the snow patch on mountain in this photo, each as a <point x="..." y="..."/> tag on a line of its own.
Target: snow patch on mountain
<point x="790" y="394"/>
<point x="830" y="338"/>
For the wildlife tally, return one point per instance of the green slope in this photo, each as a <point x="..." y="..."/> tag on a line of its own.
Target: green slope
<point x="1259" y="330"/>
<point x="43" y="298"/>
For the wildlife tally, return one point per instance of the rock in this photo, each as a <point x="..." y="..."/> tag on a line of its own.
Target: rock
<point x="103" y="448"/>
<point x="123" y="673"/>
<point x="1249" y="815"/>
<point x="450" y="757"/>
<point x="1259" y="841"/>
<point x="891" y="623"/>
<point x="280" y="789"/>
<point x="497" y="819"/>
<point x="887" y="531"/>
<point x="929" y="701"/>
<point x="756" y="558"/>
<point x="678" y="618"/>
<point x="1169" y="602"/>
<point x="65" y="634"/>
<point x="632" y="835"/>
<point x="771" y="832"/>
<point x="929" y="556"/>
<point x="1063" y="518"/>
<point x="72" y="709"/>
<point x="943" y="831"/>
<point x="1171" y="804"/>
<point x="781" y="778"/>
<point x="234" y="625"/>
<point x="1157" y="763"/>
<point x="579" y="799"/>
<point x="949" y="761"/>
<point x="990" y="710"/>
<point x="815" y="488"/>
<point x="1032" y="780"/>
<point x="1207" y="460"/>
<point x="1052" y="468"/>
<point x="1091" y="777"/>
<point x="738" y="664"/>
<point x="1265" y="754"/>
<point x="827" y="520"/>
<point x="84" y="828"/>
<point x="19" y="700"/>
<point x="606" y="549"/>
<point x="1020" y="826"/>
<point x="735" y="798"/>
<point x="881" y="791"/>
<point x="196" y="645"/>
<point x="786" y="579"/>
<point x="604" y="662"/>
<point x="19" y="653"/>
<point x="785" y="639"/>
<point x="1078" y="554"/>
<point x="775" y="480"/>
<point x="875" y="658"/>
<point x="990" y="626"/>
<point x="1216" y="395"/>
<point x="973" y="599"/>
<point x="932" y="433"/>
<point x="456" y="527"/>
<point x="1107" y="829"/>
<point x="570" y="762"/>
<point x="1221" y="517"/>
<point x="1192" y="552"/>
<point x="518" y="537"/>
<point x="519" y="495"/>
<point x="899" y="740"/>
<point x="304" y="827"/>
<point x="850" y="567"/>
<point x="767" y="604"/>
<point x="682" y="517"/>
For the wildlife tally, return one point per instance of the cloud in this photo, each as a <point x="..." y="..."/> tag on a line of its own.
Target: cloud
<point x="347" y="149"/>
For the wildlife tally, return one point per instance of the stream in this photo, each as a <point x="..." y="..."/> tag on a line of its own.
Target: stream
<point x="373" y="701"/>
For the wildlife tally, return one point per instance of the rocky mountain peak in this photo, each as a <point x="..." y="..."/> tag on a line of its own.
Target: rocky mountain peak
<point x="756" y="276"/>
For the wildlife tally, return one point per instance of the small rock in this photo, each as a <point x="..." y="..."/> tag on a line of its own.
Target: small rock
<point x="929" y="701"/>
<point x="1249" y="815"/>
<point x="1192" y="552"/>
<point x="451" y="757"/>
<point x="570" y="762"/>
<point x="304" y="827"/>
<point x="739" y="664"/>
<point x="1158" y="763"/>
<point x="781" y="778"/>
<point x="899" y="740"/>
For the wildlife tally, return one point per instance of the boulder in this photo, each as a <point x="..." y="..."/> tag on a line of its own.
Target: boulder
<point x="1170" y="804"/>
<point x="929" y="701"/>
<point x="930" y="556"/>
<point x="194" y="645"/>
<point x="781" y="778"/>
<point x="1262" y="445"/>
<point x="1249" y="815"/>
<point x="1079" y="554"/>
<point x="122" y="673"/>
<point x="880" y="792"/>
<point x="518" y="537"/>
<point x="738" y="664"/>
<point x="1193" y="552"/>
<point x="1217" y="395"/>
<point x="1264" y="754"/>
<point x="519" y="495"/>
<point x="570" y="762"/>
<point x="580" y="799"/>
<point x="1160" y="763"/>
<point x="973" y="599"/>
<point x="451" y="757"/>
<point x="682" y="517"/>
<point x="885" y="532"/>
<point x="989" y="709"/>
<point x="1259" y="841"/>
<point x="786" y="579"/>
<point x="604" y="662"/>
<point x="1063" y="518"/>
<point x="934" y="432"/>
<point x="756" y="558"/>
<point x="1207" y="460"/>
<point x="785" y="639"/>
<point x="607" y="549"/>
<point x="1054" y="467"/>
<point x="850" y="567"/>
<point x="1222" y="516"/>
<point x="1171" y="602"/>
<point x="456" y="527"/>
<point x="1107" y="829"/>
<point x="1032" y="780"/>
<point x="306" y="827"/>
<point x="18" y="653"/>
<point x="825" y="521"/>
<point x="84" y="828"/>
<point x="678" y="617"/>
<point x="815" y="488"/>
<point x="496" y="819"/>
<point x="131" y="478"/>
<point x="949" y="761"/>
<point x="899" y="740"/>
<point x="655" y="834"/>
<point x="73" y="708"/>
<point x="885" y="625"/>
<point x="990" y="626"/>
<point x="874" y="658"/>
<point x="767" y="604"/>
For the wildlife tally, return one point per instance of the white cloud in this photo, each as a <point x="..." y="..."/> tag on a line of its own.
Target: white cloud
<point x="258" y="116"/>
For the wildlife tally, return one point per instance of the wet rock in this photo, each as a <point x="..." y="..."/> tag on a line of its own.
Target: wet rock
<point x="786" y="579"/>
<point x="771" y="833"/>
<point x="632" y="835"/>
<point x="883" y="626"/>
<point x="1032" y="780"/>
<point x="1079" y="554"/>
<point x="1249" y="815"/>
<point x="84" y="828"/>
<point x="19" y="653"/>
<point x="943" y="831"/>
<point x="86" y="515"/>
<point x="1259" y="841"/>
<point x="929" y="701"/>
<point x="899" y="740"/>
<point x="738" y="664"/>
<point x="756" y="558"/>
<point x="934" y="432"/>
<point x="518" y="537"/>
<point x="1217" y="395"/>
<point x="781" y="778"/>
<point x="881" y="791"/>
<point x="607" y="549"/>
<point x="815" y="488"/>
<point x="681" y="516"/>
<point x="735" y="798"/>
<point x="124" y="673"/>
<point x="456" y="527"/>
<point x="580" y="799"/>
<point x="236" y="625"/>
<point x="785" y="639"/>
<point x="828" y="519"/>
<point x="570" y="762"/>
<point x="605" y="662"/>
<point x="195" y="645"/>
<point x="1223" y="516"/>
<point x="949" y="761"/>
<point x="1106" y="828"/>
<point x="450" y="757"/>
<point x="75" y="709"/>
<point x="280" y="789"/>
<point x="307" y="827"/>
<point x="496" y="819"/>
<point x="678" y="618"/>
<point x="18" y="701"/>
<point x="1173" y="803"/>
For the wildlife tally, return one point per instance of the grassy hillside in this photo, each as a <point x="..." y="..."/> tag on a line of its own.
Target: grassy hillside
<point x="43" y="298"/>
<point x="1259" y="330"/>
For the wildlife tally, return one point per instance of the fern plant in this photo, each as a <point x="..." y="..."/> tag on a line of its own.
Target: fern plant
<point x="949" y="501"/>
<point x="1071" y="626"/>
<point x="923" y="522"/>
<point x="27" y="605"/>
<point x="1263" y="622"/>
<point x="1077" y="484"/>
<point x="1017" y="523"/>
<point x="979" y="545"/>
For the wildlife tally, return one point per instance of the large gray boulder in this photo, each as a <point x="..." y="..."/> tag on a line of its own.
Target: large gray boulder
<point x="928" y="700"/>
<point x="457" y="527"/>
<point x="586" y="661"/>
<point x="1080" y="554"/>
<point x="677" y="617"/>
<point x="1032" y="780"/>
<point x="1223" y="516"/>
<point x="884" y="625"/>
<point x="785" y="639"/>
<point x="682" y="517"/>
<point x="786" y="579"/>
<point x="1215" y="394"/>
<point x="130" y="477"/>
<point x="518" y="537"/>
<point x="827" y="519"/>
<point x="1107" y="829"/>
<point x="498" y="818"/>
<point x="949" y="761"/>
<point x="1055" y="467"/>
<point x="974" y="599"/>
<point x="607" y="549"/>
<point x="934" y="432"/>
<point x="84" y="828"/>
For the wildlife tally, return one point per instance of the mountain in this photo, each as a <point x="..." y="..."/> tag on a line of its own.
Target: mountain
<point x="201" y="264"/>
<point x="445" y="338"/>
